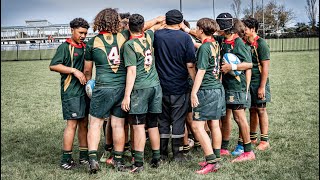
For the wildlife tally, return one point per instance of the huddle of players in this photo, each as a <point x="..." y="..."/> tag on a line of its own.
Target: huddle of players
<point x="132" y="85"/>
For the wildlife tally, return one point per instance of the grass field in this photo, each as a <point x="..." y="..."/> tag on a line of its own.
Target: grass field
<point x="32" y="127"/>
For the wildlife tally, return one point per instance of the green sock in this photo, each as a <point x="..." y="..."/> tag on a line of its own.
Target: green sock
<point x="217" y="153"/>
<point x="211" y="159"/>
<point x="186" y="149"/>
<point x="66" y="155"/>
<point x="93" y="155"/>
<point x="108" y="147"/>
<point x="117" y="155"/>
<point x="197" y="144"/>
<point x="247" y="147"/>
<point x="264" y="137"/>
<point x="156" y="154"/>
<point x="133" y="152"/>
<point x="240" y="141"/>
<point x="138" y="158"/>
<point x="253" y="135"/>
<point x="83" y="152"/>
<point x="126" y="146"/>
<point x="225" y="144"/>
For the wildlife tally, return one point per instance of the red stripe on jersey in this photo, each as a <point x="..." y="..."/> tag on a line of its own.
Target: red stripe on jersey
<point x="69" y="40"/>
<point x="135" y="37"/>
<point x="208" y="40"/>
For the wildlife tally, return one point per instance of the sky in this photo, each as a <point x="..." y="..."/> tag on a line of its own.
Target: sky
<point x="15" y="12"/>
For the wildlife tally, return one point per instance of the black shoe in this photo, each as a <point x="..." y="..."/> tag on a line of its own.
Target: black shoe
<point x="93" y="166"/>
<point x="164" y="158"/>
<point x="136" y="169"/>
<point x="180" y="158"/>
<point x="68" y="165"/>
<point x="155" y="163"/>
<point x="120" y="166"/>
<point x="83" y="161"/>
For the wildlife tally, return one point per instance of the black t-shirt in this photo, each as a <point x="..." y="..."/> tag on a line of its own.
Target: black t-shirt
<point x="173" y="49"/>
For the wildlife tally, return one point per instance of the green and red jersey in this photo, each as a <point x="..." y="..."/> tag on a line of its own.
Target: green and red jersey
<point x="65" y="52"/>
<point x="260" y="52"/>
<point x="138" y="51"/>
<point x="106" y="50"/>
<point x="208" y="58"/>
<point x="241" y="50"/>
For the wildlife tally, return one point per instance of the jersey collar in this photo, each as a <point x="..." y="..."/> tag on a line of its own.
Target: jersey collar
<point x="81" y="45"/>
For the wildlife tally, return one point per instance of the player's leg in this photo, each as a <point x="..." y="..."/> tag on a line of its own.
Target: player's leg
<point x="254" y="122"/>
<point x="164" y="123"/>
<point x="108" y="146"/>
<point x="240" y="117"/>
<point x="83" y="143"/>
<point x="138" y="123"/>
<point x="127" y="149"/>
<point x="67" y="161"/>
<point x="264" y="126"/>
<point x="153" y="130"/>
<point x="226" y="131"/>
<point x="178" y="115"/>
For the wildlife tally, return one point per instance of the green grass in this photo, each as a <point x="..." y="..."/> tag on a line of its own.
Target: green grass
<point x="32" y="127"/>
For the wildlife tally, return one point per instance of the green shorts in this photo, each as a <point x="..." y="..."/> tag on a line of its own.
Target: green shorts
<point x="106" y="101"/>
<point x="236" y="97"/>
<point x="254" y="94"/>
<point x="211" y="105"/>
<point x="148" y="100"/>
<point x="75" y="108"/>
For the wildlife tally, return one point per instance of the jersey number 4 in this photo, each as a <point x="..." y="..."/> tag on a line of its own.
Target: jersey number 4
<point x="114" y="56"/>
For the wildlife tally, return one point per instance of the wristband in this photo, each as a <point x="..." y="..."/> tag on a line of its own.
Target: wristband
<point x="187" y="30"/>
<point x="233" y="67"/>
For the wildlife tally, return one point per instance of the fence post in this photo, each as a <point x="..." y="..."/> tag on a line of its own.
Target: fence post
<point x="281" y="44"/>
<point x="17" y="51"/>
<point x="308" y="42"/>
<point x="40" y="51"/>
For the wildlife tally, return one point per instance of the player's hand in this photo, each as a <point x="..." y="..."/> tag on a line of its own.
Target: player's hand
<point x="160" y="19"/>
<point x="194" y="100"/>
<point x="125" y="105"/>
<point x="261" y="93"/>
<point x="225" y="68"/>
<point x="82" y="78"/>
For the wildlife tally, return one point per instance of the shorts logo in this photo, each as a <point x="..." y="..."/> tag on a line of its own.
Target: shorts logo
<point x="74" y="115"/>
<point x="231" y="98"/>
<point x="196" y="115"/>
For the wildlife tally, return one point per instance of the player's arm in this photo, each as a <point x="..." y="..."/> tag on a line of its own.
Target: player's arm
<point x="191" y="70"/>
<point x="196" y="86"/>
<point x="188" y="30"/>
<point x="225" y="67"/>
<point x="264" y="76"/>
<point x="152" y="22"/>
<point x="158" y="26"/>
<point x="88" y="69"/>
<point x="69" y="70"/>
<point x="131" y="77"/>
<point x="248" y="80"/>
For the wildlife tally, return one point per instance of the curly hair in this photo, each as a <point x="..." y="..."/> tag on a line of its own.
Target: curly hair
<point x="79" y="22"/>
<point x="209" y="26"/>
<point x="107" y="20"/>
<point x="239" y="28"/>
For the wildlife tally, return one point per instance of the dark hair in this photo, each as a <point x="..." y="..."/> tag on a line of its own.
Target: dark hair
<point x="124" y="15"/>
<point x="107" y="20"/>
<point x="136" y="23"/>
<point x="186" y="23"/>
<point x="251" y="23"/>
<point x="208" y="25"/>
<point x="79" y="22"/>
<point x="238" y="27"/>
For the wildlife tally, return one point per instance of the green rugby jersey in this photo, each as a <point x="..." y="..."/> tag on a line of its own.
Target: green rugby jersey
<point x="139" y="52"/>
<point x="237" y="47"/>
<point x="208" y="58"/>
<point x="106" y="50"/>
<point x="260" y="51"/>
<point x="70" y="85"/>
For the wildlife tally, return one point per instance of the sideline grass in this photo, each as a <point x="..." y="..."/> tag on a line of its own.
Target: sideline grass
<point x="32" y="127"/>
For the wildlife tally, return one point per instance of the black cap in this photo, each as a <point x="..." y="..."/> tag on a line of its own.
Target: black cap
<point x="225" y="21"/>
<point x="174" y="17"/>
